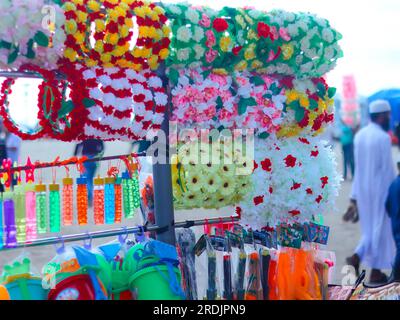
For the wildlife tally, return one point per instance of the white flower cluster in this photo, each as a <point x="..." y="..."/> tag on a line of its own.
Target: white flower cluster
<point x="103" y="120"/>
<point x="24" y="26"/>
<point x="296" y="179"/>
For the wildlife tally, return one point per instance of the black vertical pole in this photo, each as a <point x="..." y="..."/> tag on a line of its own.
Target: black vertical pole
<point x="163" y="197"/>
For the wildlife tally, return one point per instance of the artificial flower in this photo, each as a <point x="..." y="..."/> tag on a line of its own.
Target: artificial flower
<point x="295" y="193"/>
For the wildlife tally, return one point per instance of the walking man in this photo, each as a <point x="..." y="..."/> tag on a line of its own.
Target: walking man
<point x="374" y="172"/>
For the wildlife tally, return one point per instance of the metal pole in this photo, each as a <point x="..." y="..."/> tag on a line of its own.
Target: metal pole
<point x="116" y="232"/>
<point x="42" y="165"/>
<point x="81" y="236"/>
<point x="163" y="197"/>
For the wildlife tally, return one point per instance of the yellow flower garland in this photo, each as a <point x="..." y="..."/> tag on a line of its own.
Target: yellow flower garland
<point x="112" y="45"/>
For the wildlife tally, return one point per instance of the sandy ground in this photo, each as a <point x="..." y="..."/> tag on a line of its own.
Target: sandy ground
<point x="343" y="236"/>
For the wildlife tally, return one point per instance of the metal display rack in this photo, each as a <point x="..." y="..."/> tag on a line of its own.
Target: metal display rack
<point x="163" y="194"/>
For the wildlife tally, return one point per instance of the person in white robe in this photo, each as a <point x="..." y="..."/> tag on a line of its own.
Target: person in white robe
<point x="374" y="172"/>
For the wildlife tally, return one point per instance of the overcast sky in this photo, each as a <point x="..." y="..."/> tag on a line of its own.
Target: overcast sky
<point x="371" y="40"/>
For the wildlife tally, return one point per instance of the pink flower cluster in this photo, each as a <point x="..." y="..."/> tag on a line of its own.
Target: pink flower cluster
<point x="211" y="100"/>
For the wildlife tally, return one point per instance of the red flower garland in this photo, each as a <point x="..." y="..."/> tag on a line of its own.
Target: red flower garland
<point x="49" y="104"/>
<point x="78" y="116"/>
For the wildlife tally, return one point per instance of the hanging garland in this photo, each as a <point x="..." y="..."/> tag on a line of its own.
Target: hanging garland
<point x="294" y="179"/>
<point x="276" y="42"/>
<point x="127" y="104"/>
<point x="270" y="105"/>
<point x="24" y="39"/>
<point x="221" y="181"/>
<point x="100" y="32"/>
<point x="74" y="112"/>
<point x="49" y="104"/>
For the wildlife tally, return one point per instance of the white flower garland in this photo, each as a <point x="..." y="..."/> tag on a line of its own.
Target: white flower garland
<point x="295" y="179"/>
<point x="129" y="105"/>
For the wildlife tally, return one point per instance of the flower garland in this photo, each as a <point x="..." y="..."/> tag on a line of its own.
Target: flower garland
<point x="74" y="113"/>
<point x="210" y="180"/>
<point x="294" y="179"/>
<point x="276" y="42"/>
<point x="24" y="39"/>
<point x="127" y="105"/>
<point x="100" y="32"/>
<point x="269" y="105"/>
<point x="49" y="104"/>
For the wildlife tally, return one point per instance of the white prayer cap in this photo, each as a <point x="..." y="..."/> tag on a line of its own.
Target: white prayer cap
<point x="379" y="106"/>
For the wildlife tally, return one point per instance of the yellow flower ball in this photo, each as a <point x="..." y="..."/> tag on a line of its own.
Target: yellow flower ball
<point x="147" y="10"/>
<point x="70" y="26"/>
<point x="112" y="1"/>
<point x="153" y="32"/>
<point x="91" y="63"/>
<point x="146" y="53"/>
<point x="108" y="65"/>
<point x="79" y="37"/>
<point x="122" y="9"/>
<point x="252" y="35"/>
<point x="256" y="64"/>
<point x="158" y="36"/>
<point x="154" y="16"/>
<point x="99" y="47"/>
<point x="124" y="31"/>
<point x="136" y="67"/>
<point x="291" y="95"/>
<point x="304" y="102"/>
<point x="321" y="105"/>
<point x="100" y="25"/>
<point x="164" y="53"/>
<point x="78" y="2"/>
<point x="137" y="52"/>
<point x="241" y="66"/>
<point x="113" y="38"/>
<point x="129" y="23"/>
<point x="128" y="2"/>
<point x="69" y="6"/>
<point x="139" y="12"/>
<point x="70" y="54"/>
<point x="287" y="51"/>
<point x="224" y="43"/>
<point x="105" y="57"/>
<point x="119" y="51"/>
<point x="153" y="62"/>
<point x="113" y="15"/>
<point x="221" y="71"/>
<point x="82" y="16"/>
<point x="249" y="54"/>
<point x="166" y="30"/>
<point x="93" y="5"/>
<point x="144" y="31"/>
<point x="123" y="63"/>
<point x="158" y="10"/>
